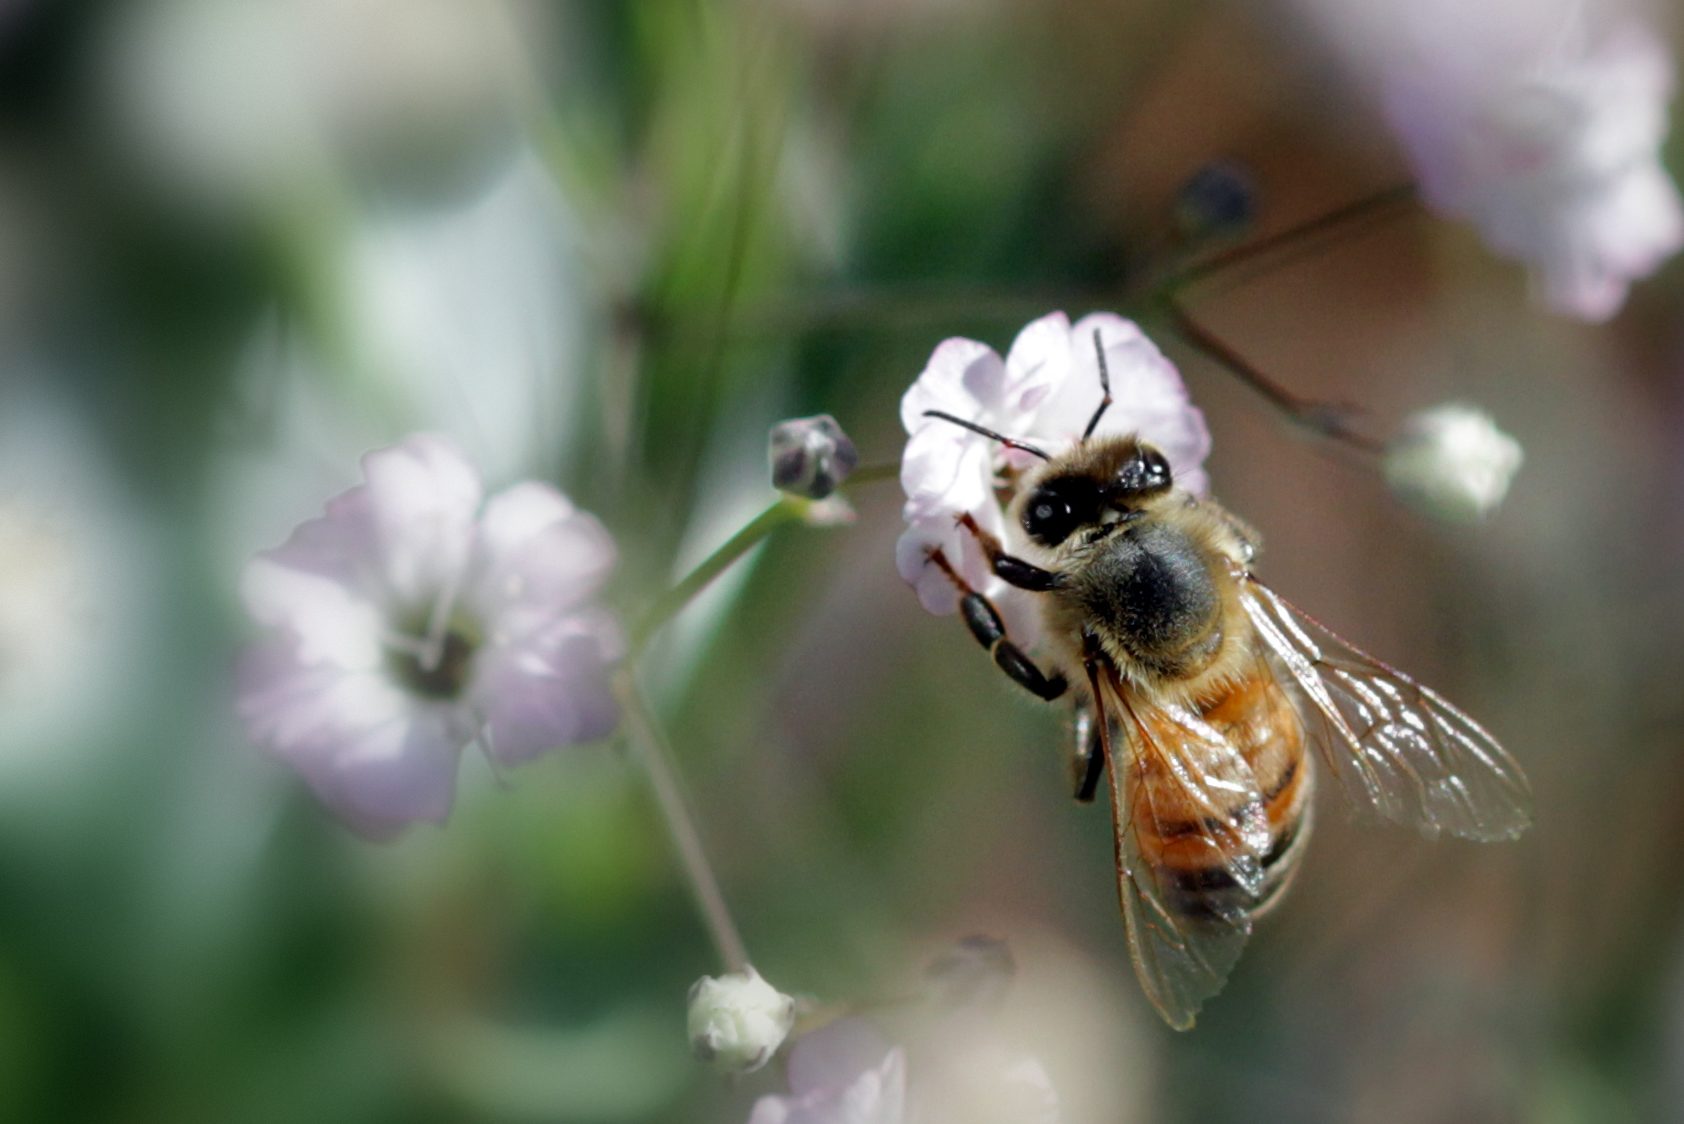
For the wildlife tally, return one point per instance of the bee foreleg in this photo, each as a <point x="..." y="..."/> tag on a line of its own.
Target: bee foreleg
<point x="990" y="631"/>
<point x="1009" y="568"/>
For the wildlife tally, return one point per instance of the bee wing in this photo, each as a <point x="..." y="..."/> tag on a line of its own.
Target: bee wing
<point x="1184" y="783"/>
<point x="1396" y="746"/>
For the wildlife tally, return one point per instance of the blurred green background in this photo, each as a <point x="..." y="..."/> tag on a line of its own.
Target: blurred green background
<point x="608" y="244"/>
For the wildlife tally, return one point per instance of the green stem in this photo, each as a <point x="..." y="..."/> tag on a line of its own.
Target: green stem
<point x="786" y="509"/>
<point x="651" y="746"/>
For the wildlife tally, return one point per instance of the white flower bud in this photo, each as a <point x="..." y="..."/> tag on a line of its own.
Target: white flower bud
<point x="1453" y="462"/>
<point x="738" y="1020"/>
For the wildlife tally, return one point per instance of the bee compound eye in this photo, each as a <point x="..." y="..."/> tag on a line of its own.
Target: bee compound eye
<point x="1157" y="467"/>
<point x="1051" y="514"/>
<point x="1148" y="471"/>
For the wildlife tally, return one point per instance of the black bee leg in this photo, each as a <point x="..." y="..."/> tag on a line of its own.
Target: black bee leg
<point x="1089" y="755"/>
<point x="990" y="631"/>
<point x="1009" y="568"/>
<point x="1093" y="748"/>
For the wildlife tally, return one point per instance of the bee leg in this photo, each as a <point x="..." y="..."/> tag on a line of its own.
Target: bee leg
<point x="990" y="631"/>
<point x="1093" y="749"/>
<point x="1089" y="756"/>
<point x="1009" y="568"/>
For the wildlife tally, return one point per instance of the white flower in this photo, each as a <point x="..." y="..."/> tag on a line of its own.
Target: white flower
<point x="1538" y="121"/>
<point x="1452" y="461"/>
<point x="1043" y="392"/>
<point x="409" y="622"/>
<point x="737" y="1021"/>
<point x="842" y="1073"/>
<point x="79" y="586"/>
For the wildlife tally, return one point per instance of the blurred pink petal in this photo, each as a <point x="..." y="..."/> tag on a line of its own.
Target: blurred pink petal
<point x="843" y="1073"/>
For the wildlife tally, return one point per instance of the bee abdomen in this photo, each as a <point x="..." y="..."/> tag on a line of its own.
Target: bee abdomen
<point x="1198" y="882"/>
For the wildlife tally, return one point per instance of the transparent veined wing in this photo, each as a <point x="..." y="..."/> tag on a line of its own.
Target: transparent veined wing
<point x="1396" y="746"/>
<point x="1190" y="836"/>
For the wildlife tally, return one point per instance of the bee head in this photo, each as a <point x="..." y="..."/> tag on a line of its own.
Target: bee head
<point x="1101" y="483"/>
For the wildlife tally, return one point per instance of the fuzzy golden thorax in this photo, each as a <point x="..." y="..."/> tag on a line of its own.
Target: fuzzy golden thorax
<point x="1148" y="572"/>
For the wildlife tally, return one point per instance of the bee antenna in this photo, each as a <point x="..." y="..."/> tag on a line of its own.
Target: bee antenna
<point x="1104" y="385"/>
<point x="1008" y="442"/>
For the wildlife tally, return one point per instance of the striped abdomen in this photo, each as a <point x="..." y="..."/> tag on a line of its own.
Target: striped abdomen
<point x="1195" y="849"/>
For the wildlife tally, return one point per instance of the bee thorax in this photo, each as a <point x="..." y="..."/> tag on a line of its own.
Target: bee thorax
<point x="1150" y="592"/>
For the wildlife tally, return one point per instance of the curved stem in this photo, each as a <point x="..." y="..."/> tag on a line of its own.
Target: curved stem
<point x="785" y="509"/>
<point x="1324" y="225"/>
<point x="1325" y="419"/>
<point x="651" y="746"/>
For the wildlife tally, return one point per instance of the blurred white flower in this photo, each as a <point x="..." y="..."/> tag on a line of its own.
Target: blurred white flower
<point x="845" y="1073"/>
<point x="78" y="574"/>
<point x="1043" y="392"/>
<point x="235" y="104"/>
<point x="1538" y="121"/>
<point x="1452" y="461"/>
<point x="737" y="1021"/>
<point x="970" y="1077"/>
<point x="408" y="623"/>
<point x="842" y="1073"/>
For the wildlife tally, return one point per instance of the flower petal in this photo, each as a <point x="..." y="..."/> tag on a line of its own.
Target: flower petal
<point x="379" y="759"/>
<point x="422" y="497"/>
<point x="538" y="557"/>
<point x="550" y="689"/>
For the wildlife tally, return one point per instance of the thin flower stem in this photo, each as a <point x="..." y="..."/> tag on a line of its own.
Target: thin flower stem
<point x="651" y="746"/>
<point x="749" y="536"/>
<point x="1325" y="419"/>
<point x="1334" y="222"/>
<point x="786" y="509"/>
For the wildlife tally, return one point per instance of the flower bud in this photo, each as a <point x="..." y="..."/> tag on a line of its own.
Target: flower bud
<point x="1453" y="462"/>
<point x="975" y="972"/>
<point x="1217" y="201"/>
<point x="738" y="1020"/>
<point x="811" y="456"/>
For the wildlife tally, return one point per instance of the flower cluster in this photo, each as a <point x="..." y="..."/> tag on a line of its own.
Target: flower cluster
<point x="410" y="621"/>
<point x="1044" y="392"/>
<point x="1538" y="121"/>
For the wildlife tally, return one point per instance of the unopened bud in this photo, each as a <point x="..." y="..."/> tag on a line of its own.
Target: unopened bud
<point x="1219" y="200"/>
<point x="1453" y="462"/>
<point x="811" y="456"/>
<point x="738" y="1021"/>
<point x="976" y="972"/>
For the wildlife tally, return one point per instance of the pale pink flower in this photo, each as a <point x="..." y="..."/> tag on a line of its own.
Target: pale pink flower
<point x="410" y="621"/>
<point x="843" y="1073"/>
<point x="1043" y="392"/>
<point x="1540" y="122"/>
<point x="1557" y="164"/>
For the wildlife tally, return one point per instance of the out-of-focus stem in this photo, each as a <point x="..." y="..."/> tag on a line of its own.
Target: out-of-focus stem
<point x="650" y="745"/>
<point x="1336" y="221"/>
<point x="786" y="509"/>
<point x="1325" y="419"/>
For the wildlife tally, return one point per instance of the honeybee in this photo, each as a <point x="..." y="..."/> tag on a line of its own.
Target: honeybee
<point x="1197" y="689"/>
